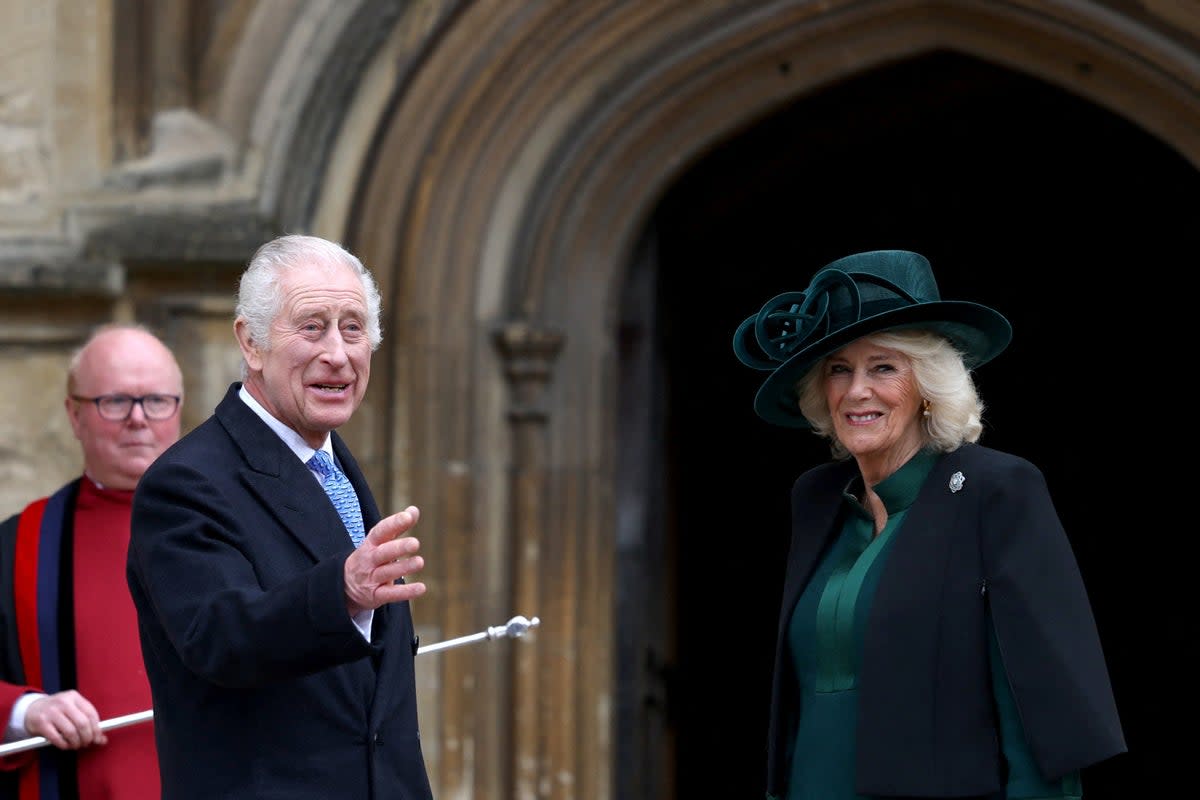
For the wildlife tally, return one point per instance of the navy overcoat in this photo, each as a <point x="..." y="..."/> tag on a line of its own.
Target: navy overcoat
<point x="263" y="687"/>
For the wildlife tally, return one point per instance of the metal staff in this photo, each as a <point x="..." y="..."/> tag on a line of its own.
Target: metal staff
<point x="513" y="629"/>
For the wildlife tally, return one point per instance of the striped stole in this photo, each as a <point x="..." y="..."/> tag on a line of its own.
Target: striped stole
<point x="37" y="560"/>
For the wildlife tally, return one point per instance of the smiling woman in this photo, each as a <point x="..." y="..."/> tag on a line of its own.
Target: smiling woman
<point x="917" y="553"/>
<point x="873" y="400"/>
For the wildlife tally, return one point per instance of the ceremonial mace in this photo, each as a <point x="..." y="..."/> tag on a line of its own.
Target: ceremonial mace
<point x="513" y="629"/>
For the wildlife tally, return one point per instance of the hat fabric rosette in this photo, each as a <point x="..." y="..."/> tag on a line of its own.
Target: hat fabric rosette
<point x="849" y="298"/>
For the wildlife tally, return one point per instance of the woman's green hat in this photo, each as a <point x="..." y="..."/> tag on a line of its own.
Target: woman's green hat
<point x="854" y="296"/>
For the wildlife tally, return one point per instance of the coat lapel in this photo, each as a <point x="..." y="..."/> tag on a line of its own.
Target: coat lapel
<point x="815" y="512"/>
<point x="285" y="485"/>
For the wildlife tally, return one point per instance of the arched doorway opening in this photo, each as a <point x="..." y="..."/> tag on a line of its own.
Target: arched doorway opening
<point x="1024" y="197"/>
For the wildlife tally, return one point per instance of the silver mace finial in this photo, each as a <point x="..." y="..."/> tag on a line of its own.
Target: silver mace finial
<point x="515" y="628"/>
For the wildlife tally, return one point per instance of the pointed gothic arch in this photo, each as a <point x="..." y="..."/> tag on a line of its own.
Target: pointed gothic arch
<point x="502" y="199"/>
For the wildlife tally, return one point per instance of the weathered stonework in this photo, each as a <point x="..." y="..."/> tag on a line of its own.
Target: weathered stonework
<point x="491" y="161"/>
<point x="38" y="451"/>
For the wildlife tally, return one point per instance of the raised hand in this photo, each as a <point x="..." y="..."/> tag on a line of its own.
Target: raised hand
<point x="387" y="554"/>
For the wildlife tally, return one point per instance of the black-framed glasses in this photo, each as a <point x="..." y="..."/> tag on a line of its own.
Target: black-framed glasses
<point x="118" y="407"/>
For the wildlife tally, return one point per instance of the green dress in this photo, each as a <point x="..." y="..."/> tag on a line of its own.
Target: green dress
<point x="825" y="637"/>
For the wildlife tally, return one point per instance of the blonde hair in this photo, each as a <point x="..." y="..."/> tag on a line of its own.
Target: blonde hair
<point x="941" y="377"/>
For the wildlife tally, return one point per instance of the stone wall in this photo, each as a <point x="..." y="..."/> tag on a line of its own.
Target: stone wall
<point x="46" y="313"/>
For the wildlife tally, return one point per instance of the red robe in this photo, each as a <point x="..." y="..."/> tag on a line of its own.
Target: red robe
<point x="105" y="662"/>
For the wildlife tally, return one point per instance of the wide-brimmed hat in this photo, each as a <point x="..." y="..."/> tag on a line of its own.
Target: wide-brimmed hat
<point x="849" y="298"/>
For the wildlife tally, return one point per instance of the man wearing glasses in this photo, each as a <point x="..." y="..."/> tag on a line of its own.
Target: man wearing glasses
<point x="69" y="649"/>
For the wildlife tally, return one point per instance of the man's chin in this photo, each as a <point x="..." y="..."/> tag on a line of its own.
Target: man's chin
<point x="320" y="427"/>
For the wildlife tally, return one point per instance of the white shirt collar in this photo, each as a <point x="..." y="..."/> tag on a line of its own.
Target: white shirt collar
<point x="292" y="439"/>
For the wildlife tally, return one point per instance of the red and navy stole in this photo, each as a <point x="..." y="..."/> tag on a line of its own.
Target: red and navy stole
<point x="41" y="537"/>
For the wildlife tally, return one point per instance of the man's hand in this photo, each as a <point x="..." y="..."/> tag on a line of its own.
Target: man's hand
<point x="385" y="556"/>
<point x="66" y="719"/>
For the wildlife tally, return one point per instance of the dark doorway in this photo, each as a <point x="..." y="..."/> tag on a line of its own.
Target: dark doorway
<point x="1070" y="220"/>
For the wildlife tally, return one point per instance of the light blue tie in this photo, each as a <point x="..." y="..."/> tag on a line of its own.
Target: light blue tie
<point x="338" y="487"/>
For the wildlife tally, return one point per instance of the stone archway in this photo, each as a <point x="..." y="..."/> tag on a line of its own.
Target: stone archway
<point x="501" y="166"/>
<point x="527" y="174"/>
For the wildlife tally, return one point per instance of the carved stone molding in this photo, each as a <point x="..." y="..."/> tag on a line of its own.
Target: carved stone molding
<point x="226" y="233"/>
<point x="529" y="353"/>
<point x="62" y="277"/>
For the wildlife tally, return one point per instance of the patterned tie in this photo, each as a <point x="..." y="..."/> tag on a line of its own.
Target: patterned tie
<point x="338" y="487"/>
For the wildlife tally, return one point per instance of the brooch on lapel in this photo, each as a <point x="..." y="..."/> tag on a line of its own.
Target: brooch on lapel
<point x="956" y="481"/>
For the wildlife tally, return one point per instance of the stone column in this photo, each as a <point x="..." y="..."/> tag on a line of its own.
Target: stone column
<point x="529" y="354"/>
